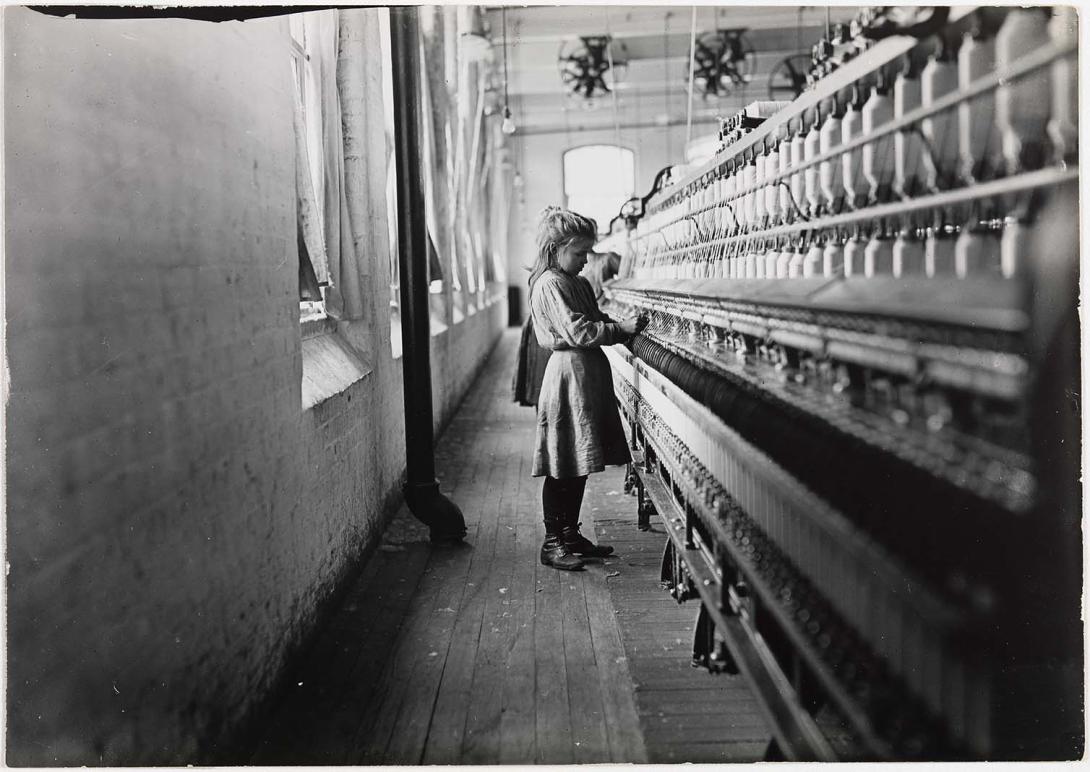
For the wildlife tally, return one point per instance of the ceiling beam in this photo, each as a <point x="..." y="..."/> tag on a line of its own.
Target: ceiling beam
<point x="652" y="45"/>
<point x="549" y="23"/>
<point x="561" y="129"/>
<point x="544" y="81"/>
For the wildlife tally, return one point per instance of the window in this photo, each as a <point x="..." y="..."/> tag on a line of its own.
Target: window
<point x="386" y="58"/>
<point x="310" y="181"/>
<point x="598" y="179"/>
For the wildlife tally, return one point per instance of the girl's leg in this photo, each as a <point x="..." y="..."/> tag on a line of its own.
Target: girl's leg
<point x="575" y="486"/>
<point x="575" y="541"/>
<point x="552" y="496"/>
<point x="555" y="498"/>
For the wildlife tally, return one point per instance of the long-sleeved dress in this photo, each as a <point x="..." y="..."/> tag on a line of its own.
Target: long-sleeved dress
<point x="578" y="426"/>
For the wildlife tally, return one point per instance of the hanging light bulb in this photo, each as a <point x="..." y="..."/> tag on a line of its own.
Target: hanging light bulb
<point x="508" y="125"/>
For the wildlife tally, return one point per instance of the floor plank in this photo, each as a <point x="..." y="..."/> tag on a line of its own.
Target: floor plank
<point x="484" y="704"/>
<point x="554" y="742"/>
<point x="584" y="699"/>
<point x="518" y="730"/>
<point x="614" y="681"/>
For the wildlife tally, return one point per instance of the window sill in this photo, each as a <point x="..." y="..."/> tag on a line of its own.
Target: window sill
<point x="330" y="365"/>
<point x="315" y="326"/>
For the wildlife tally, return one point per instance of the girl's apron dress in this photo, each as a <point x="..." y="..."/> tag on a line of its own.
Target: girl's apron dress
<point x="578" y="426"/>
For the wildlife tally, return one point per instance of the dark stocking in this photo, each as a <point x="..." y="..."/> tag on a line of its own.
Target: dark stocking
<point x="561" y="501"/>
<point x="557" y="498"/>
<point x="562" y="497"/>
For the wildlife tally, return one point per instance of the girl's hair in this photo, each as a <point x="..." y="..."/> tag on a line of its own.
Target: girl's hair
<point x="558" y="228"/>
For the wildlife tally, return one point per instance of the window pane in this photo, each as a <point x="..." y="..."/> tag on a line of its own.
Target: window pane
<point x="598" y="179"/>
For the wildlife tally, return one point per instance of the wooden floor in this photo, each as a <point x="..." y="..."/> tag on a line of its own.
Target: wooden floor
<point x="479" y="655"/>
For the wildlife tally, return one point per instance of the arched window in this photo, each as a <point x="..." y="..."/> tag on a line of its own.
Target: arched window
<point x="598" y="179"/>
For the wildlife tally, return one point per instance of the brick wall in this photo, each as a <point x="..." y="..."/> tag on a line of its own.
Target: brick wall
<point x="458" y="355"/>
<point x="174" y="518"/>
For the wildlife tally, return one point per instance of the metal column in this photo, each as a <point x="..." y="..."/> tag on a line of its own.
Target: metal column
<point x="422" y="494"/>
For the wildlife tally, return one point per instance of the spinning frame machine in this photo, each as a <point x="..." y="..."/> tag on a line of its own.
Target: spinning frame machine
<point x="850" y="404"/>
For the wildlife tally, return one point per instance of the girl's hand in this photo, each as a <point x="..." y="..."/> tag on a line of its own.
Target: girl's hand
<point x="634" y="325"/>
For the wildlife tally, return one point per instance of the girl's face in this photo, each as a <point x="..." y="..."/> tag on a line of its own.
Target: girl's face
<point x="573" y="257"/>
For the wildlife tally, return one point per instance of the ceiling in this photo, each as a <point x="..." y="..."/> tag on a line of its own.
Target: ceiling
<point x="654" y="89"/>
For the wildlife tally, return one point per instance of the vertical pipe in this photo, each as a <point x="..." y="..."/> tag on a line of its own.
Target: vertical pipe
<point x="692" y="73"/>
<point x="422" y="493"/>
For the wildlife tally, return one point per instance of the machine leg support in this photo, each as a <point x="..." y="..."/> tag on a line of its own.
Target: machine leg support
<point x="645" y="509"/>
<point x="709" y="651"/>
<point x="673" y="577"/>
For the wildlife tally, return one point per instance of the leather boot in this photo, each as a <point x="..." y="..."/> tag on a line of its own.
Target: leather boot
<point x="579" y="544"/>
<point x="554" y="552"/>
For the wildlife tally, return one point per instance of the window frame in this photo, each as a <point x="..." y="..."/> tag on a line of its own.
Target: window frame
<point x="306" y="79"/>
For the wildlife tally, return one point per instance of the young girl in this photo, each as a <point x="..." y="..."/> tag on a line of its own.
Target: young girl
<point x="578" y="427"/>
